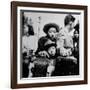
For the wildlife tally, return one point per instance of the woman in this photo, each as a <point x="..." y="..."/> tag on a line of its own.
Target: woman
<point x="50" y="30"/>
<point x="26" y="49"/>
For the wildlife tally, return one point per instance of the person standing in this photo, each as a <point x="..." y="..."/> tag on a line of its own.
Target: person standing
<point x="65" y="45"/>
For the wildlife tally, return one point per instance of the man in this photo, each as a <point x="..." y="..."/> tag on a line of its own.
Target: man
<point x="65" y="36"/>
<point x="65" y="45"/>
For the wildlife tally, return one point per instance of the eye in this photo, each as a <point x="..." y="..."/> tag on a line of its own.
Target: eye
<point x="49" y="31"/>
<point x="54" y="31"/>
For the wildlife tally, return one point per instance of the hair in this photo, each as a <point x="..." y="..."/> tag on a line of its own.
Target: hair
<point x="68" y="18"/>
<point x="50" y="25"/>
<point x="76" y="28"/>
<point x="30" y="31"/>
<point x="50" y="45"/>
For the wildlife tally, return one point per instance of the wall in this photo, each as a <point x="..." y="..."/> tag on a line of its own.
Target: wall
<point x="5" y="44"/>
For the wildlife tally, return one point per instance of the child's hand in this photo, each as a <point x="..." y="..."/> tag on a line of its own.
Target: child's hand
<point x="33" y="58"/>
<point x="43" y="54"/>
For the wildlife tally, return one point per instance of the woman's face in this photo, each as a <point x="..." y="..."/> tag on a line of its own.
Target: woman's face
<point x="52" y="32"/>
<point x="76" y="34"/>
<point x="25" y="29"/>
<point x="52" y="50"/>
<point x="70" y="25"/>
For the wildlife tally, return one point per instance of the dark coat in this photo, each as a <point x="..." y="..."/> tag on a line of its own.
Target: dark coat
<point x="41" y="43"/>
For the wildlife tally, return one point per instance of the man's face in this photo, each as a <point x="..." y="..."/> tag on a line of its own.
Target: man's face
<point x="52" y="51"/>
<point x="71" y="25"/>
<point x="52" y="32"/>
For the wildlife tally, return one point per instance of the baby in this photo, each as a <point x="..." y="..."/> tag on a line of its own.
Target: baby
<point x="50" y="48"/>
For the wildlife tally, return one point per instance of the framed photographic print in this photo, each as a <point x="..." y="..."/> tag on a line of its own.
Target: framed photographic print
<point x="48" y="44"/>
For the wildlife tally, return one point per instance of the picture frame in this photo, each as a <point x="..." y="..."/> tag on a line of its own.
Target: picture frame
<point x="16" y="25"/>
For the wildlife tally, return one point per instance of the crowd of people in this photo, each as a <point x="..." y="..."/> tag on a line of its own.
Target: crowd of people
<point x="57" y="53"/>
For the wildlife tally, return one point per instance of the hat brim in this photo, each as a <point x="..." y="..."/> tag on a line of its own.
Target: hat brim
<point x="48" y="26"/>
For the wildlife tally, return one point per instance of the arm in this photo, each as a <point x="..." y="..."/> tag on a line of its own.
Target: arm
<point x="41" y="49"/>
<point x="41" y="43"/>
<point x="61" y="45"/>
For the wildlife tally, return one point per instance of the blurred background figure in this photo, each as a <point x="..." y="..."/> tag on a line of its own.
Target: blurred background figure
<point x="76" y="46"/>
<point x="76" y="41"/>
<point x="65" y="36"/>
<point x="28" y="44"/>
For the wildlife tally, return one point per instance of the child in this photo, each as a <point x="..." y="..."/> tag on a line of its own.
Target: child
<point x="50" y="48"/>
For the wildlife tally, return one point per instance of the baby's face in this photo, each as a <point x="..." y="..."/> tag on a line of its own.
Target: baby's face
<point x="52" y="50"/>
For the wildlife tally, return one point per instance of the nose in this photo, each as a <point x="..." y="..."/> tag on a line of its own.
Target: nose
<point x="51" y="52"/>
<point x="52" y="35"/>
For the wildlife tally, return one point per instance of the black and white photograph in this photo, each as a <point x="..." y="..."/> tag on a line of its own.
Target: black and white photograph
<point x="49" y="44"/>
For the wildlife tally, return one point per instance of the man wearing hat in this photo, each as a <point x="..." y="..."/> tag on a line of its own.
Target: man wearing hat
<point x="50" y="30"/>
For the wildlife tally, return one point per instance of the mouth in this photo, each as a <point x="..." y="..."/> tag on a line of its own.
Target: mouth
<point x="52" y="37"/>
<point x="52" y="54"/>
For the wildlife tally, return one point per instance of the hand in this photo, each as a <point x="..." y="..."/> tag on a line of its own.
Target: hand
<point x="43" y="54"/>
<point x="69" y="52"/>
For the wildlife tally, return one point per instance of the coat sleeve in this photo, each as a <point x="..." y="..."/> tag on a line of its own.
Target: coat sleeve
<point x="41" y="43"/>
